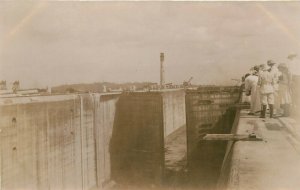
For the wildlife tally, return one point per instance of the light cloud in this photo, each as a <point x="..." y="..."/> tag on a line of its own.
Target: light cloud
<point x="73" y="42"/>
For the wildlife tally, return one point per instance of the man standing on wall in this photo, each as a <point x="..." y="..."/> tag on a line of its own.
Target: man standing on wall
<point x="266" y="83"/>
<point x="275" y="72"/>
<point x="250" y="88"/>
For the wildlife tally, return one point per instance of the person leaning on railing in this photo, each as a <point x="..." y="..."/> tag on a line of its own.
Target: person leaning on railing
<point x="245" y="94"/>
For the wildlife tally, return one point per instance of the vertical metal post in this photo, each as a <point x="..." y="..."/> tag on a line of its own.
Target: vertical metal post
<point x="81" y="142"/>
<point x="162" y="72"/>
<point x="95" y="135"/>
<point x="0" y="160"/>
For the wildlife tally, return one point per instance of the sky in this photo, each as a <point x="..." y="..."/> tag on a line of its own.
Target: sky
<point x="52" y="43"/>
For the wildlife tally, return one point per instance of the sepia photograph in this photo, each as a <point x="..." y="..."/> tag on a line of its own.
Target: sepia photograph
<point x="149" y="95"/>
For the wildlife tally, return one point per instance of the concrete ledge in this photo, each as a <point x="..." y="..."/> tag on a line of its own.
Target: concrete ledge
<point x="46" y="98"/>
<point x="271" y="164"/>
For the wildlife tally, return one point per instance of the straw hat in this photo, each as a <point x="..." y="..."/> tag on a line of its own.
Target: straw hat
<point x="261" y="66"/>
<point x="271" y="62"/>
<point x="256" y="68"/>
<point x="282" y="65"/>
<point x="265" y="67"/>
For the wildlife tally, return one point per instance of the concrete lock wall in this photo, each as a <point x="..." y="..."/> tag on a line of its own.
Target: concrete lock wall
<point x="173" y="110"/>
<point x="105" y="111"/>
<point x="205" y="108"/>
<point x="209" y="111"/>
<point x="143" y="121"/>
<point x="56" y="142"/>
<point x="73" y="141"/>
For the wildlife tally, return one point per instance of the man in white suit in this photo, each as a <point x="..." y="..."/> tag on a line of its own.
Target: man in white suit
<point x="266" y="83"/>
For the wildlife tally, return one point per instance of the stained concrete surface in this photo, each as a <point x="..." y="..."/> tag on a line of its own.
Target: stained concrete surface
<point x="82" y="141"/>
<point x="56" y="142"/>
<point x="137" y="139"/>
<point x="273" y="164"/>
<point x="173" y="110"/>
<point x="201" y="169"/>
<point x="143" y="122"/>
<point x="205" y="162"/>
<point x="65" y="141"/>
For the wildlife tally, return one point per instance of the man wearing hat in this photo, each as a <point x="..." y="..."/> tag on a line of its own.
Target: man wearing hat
<point x="251" y="89"/>
<point x="266" y="83"/>
<point x="275" y="72"/>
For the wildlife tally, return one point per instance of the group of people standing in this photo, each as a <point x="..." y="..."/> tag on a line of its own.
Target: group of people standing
<point x="269" y="86"/>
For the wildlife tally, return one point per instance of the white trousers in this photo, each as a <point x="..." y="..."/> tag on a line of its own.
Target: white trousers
<point x="267" y="98"/>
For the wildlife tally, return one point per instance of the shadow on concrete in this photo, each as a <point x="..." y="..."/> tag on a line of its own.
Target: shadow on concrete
<point x="204" y="164"/>
<point x="137" y="139"/>
<point x="137" y="153"/>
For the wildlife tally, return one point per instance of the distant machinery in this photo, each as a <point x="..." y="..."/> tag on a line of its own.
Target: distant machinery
<point x="150" y="86"/>
<point x="187" y="83"/>
<point x="169" y="85"/>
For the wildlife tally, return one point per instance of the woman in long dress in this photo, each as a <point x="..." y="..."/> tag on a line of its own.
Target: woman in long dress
<point x="251" y="89"/>
<point x="284" y="89"/>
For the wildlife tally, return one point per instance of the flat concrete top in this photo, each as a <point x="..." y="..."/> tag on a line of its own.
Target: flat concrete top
<point x="271" y="164"/>
<point x="46" y="98"/>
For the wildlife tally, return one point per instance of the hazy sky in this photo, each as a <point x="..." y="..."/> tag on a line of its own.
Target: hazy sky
<point x="51" y="43"/>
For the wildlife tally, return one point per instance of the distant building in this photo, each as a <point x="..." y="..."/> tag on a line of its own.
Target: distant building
<point x="116" y="90"/>
<point x="168" y="85"/>
<point x="104" y="88"/>
<point x="15" y="90"/>
<point x="49" y="89"/>
<point x="133" y="88"/>
<point x="16" y="86"/>
<point x="3" y="85"/>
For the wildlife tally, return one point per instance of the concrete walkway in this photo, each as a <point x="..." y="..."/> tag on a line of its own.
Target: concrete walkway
<point x="271" y="164"/>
